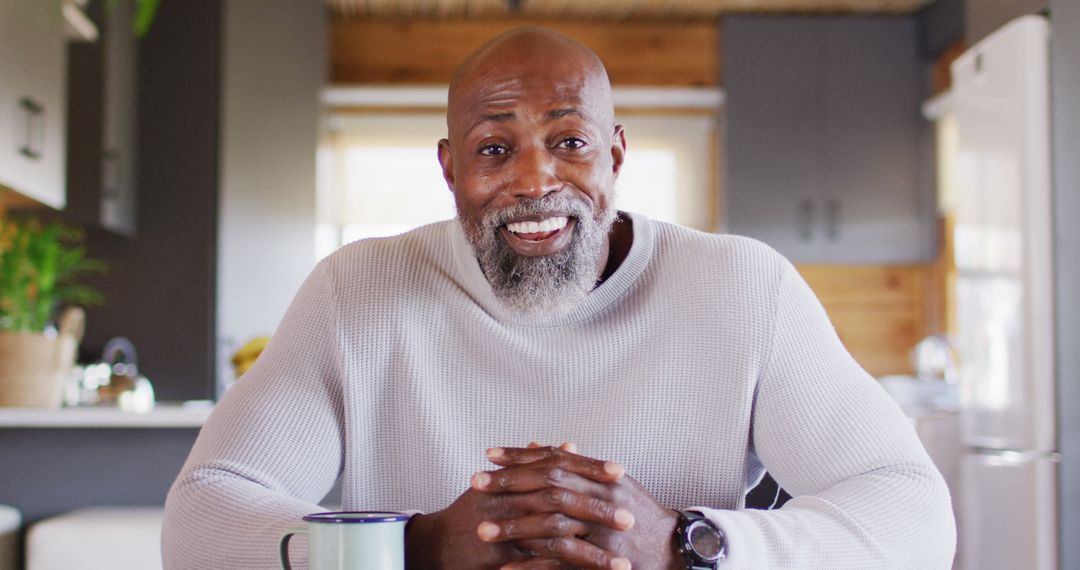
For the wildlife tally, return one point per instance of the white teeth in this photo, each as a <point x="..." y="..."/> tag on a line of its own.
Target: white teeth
<point x="548" y="225"/>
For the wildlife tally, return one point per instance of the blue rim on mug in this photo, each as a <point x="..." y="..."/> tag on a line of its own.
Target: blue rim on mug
<point x="356" y="517"/>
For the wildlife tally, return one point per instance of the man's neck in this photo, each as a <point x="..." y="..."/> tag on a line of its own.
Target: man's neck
<point x="620" y="238"/>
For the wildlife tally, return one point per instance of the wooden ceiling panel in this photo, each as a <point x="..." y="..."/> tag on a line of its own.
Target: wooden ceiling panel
<point x="428" y="51"/>
<point x="608" y="9"/>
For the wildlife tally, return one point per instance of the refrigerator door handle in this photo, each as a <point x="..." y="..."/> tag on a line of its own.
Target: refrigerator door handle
<point x="1003" y="457"/>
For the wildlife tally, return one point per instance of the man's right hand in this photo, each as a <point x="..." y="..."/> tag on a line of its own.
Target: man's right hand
<point x="447" y="539"/>
<point x="560" y="509"/>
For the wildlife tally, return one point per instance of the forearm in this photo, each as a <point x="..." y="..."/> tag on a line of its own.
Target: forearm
<point x="250" y="477"/>
<point x="897" y="517"/>
<point x="215" y="518"/>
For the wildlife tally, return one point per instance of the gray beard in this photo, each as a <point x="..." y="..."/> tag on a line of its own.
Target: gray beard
<point x="550" y="285"/>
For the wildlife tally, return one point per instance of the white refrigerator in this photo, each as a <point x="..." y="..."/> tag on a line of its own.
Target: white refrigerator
<point x="1007" y="496"/>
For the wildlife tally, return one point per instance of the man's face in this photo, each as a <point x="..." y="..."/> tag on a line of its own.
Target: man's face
<point x="532" y="159"/>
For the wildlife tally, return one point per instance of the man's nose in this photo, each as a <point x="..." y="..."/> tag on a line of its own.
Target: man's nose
<point x="534" y="173"/>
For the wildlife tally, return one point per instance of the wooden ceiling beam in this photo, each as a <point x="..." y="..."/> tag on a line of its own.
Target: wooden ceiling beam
<point x="611" y="9"/>
<point x="426" y="52"/>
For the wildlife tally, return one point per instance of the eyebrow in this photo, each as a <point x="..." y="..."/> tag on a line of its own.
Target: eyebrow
<point x="560" y="113"/>
<point x="506" y="117"/>
<point x="495" y="118"/>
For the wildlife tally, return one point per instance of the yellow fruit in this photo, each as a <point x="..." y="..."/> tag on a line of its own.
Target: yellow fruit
<point x="244" y="358"/>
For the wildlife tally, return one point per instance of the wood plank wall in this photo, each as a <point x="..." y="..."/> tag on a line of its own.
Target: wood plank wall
<point x="881" y="311"/>
<point x="878" y="310"/>
<point x="941" y="73"/>
<point x="420" y="52"/>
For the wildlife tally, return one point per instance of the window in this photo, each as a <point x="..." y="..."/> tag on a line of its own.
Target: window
<point x="380" y="175"/>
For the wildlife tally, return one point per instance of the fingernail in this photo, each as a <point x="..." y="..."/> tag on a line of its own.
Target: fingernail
<point x="488" y="531"/>
<point x="614" y="469"/>
<point x="620" y="564"/>
<point x="481" y="480"/>
<point x="533" y="445"/>
<point x="495" y="452"/>
<point x="570" y="447"/>
<point x="624" y="518"/>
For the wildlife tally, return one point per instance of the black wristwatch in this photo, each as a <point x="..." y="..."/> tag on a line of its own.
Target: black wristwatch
<point x="699" y="541"/>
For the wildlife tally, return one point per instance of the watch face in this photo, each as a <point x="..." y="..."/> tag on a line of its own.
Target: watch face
<point x="705" y="541"/>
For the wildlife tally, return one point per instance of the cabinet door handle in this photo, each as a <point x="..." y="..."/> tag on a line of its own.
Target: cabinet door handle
<point x="35" y="128"/>
<point x="832" y="219"/>
<point x="110" y="183"/>
<point x="806" y="219"/>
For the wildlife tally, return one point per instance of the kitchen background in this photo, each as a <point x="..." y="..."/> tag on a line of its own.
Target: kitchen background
<point x="209" y="162"/>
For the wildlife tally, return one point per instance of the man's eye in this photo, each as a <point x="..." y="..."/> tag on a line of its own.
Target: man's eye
<point x="571" y="143"/>
<point x="493" y="150"/>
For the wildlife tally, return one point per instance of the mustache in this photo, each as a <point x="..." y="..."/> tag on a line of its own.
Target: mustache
<point x="549" y="203"/>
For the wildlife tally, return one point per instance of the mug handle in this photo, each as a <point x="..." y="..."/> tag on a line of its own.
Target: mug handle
<point x="283" y="545"/>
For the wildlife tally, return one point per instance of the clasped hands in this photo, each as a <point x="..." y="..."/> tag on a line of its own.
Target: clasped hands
<point x="546" y="507"/>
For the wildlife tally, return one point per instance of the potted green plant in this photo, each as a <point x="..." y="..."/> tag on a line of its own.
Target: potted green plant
<point x="40" y="264"/>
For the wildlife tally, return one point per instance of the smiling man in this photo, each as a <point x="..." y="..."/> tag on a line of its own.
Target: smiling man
<point x="682" y="365"/>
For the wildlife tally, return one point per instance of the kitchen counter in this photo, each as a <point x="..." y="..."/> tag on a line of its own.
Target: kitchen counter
<point x="165" y="415"/>
<point x="68" y="458"/>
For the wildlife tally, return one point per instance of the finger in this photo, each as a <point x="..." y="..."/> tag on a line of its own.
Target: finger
<point x="595" y="469"/>
<point x="537" y="564"/>
<point x="533" y="477"/>
<point x="543" y="525"/>
<point x="568" y="446"/>
<point x="579" y="506"/>
<point x="576" y="552"/>
<point x="494" y="452"/>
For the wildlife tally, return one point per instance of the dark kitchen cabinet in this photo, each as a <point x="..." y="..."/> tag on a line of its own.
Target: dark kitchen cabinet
<point x="102" y="109"/>
<point x="119" y="150"/>
<point x="824" y="138"/>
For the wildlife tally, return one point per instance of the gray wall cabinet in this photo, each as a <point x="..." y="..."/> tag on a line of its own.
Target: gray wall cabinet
<point x="824" y="136"/>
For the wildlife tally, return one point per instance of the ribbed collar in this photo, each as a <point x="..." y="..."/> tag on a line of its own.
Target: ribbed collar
<point x="477" y="286"/>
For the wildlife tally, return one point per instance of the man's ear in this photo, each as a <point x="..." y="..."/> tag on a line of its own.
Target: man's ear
<point x="446" y="160"/>
<point x="618" y="150"/>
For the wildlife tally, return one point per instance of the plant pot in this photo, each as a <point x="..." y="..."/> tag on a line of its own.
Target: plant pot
<point x="34" y="367"/>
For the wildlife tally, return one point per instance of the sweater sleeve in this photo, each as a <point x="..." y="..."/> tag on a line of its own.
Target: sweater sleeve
<point x="866" y="494"/>
<point x="269" y="452"/>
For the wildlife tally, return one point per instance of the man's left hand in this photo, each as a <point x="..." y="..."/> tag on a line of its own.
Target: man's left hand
<point x="647" y="543"/>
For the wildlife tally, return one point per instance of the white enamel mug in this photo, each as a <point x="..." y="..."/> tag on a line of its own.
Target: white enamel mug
<point x="355" y="540"/>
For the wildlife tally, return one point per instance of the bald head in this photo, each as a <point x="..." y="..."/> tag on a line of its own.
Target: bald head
<point x="541" y="45"/>
<point x="527" y="59"/>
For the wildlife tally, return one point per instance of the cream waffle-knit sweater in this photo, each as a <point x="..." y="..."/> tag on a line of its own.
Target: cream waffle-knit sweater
<point x="701" y="362"/>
